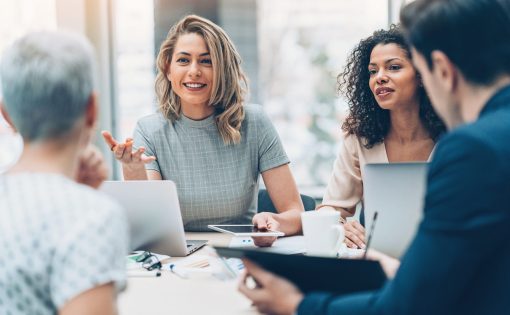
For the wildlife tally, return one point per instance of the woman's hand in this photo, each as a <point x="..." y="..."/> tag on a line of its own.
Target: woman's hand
<point x="270" y="294"/>
<point x="265" y="221"/>
<point x="92" y="170"/>
<point x="354" y="234"/>
<point x="124" y="152"/>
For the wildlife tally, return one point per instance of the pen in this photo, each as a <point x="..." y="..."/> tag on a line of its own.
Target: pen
<point x="370" y="235"/>
<point x="143" y="273"/>
<point x="178" y="272"/>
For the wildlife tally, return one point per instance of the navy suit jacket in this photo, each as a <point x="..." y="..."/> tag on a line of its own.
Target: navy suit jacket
<point x="459" y="261"/>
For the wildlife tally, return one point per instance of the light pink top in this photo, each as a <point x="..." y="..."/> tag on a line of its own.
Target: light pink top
<point x="345" y="187"/>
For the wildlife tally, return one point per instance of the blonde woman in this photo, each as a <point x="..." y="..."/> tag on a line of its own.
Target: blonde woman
<point x="206" y="140"/>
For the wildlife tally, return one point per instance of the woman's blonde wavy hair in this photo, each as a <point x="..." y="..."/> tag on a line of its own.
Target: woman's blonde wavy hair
<point x="229" y="84"/>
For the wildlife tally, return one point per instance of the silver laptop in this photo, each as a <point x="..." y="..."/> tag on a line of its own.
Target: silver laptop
<point x="154" y="216"/>
<point x="396" y="191"/>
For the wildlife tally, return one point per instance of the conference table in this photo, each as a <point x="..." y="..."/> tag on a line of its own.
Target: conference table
<point x="200" y="293"/>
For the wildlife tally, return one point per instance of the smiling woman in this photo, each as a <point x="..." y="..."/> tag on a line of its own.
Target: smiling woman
<point x="193" y="49"/>
<point x="390" y="120"/>
<point x="206" y="140"/>
<point x="191" y="76"/>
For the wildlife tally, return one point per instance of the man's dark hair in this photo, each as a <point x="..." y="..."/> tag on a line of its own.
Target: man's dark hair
<point x="474" y="34"/>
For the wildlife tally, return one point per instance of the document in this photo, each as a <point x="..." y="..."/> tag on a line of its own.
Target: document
<point x="293" y="245"/>
<point x="283" y="245"/>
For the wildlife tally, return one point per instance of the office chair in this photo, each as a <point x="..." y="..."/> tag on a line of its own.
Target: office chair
<point x="266" y="204"/>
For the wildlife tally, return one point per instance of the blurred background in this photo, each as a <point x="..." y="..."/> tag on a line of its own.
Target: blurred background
<point x="292" y="52"/>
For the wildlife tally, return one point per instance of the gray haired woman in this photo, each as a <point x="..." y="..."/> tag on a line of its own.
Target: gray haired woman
<point x="63" y="244"/>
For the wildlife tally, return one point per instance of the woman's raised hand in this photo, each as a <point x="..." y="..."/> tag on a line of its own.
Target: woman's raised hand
<point x="124" y="152"/>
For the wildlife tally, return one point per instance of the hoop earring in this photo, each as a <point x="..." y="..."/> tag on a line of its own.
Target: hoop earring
<point x="420" y="81"/>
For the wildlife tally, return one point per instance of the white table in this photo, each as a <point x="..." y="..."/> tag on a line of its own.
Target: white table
<point x="200" y="294"/>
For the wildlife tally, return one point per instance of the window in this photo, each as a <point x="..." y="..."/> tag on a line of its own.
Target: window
<point x="299" y="48"/>
<point x="135" y="64"/>
<point x="16" y="19"/>
<point x="303" y="45"/>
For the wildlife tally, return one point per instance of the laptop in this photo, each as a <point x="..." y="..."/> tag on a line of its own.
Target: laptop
<point x="154" y="216"/>
<point x="396" y="191"/>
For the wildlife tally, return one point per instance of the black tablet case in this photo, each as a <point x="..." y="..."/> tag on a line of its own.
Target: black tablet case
<point x="311" y="273"/>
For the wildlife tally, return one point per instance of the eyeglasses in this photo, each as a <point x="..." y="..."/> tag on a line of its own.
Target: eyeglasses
<point x="149" y="261"/>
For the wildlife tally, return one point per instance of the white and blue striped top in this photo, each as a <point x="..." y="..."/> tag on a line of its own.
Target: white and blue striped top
<point x="58" y="239"/>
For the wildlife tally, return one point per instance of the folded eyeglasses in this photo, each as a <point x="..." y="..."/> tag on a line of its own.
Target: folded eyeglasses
<point x="149" y="261"/>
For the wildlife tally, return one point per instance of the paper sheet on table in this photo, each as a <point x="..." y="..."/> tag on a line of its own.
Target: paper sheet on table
<point x="352" y="253"/>
<point x="189" y="265"/>
<point x="293" y="245"/>
<point x="283" y="245"/>
<point x="193" y="261"/>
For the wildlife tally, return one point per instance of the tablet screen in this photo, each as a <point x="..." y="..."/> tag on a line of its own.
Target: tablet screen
<point x="240" y="228"/>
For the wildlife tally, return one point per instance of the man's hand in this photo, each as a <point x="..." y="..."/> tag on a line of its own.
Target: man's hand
<point x="354" y="234"/>
<point x="272" y="294"/>
<point x="92" y="169"/>
<point x="265" y="221"/>
<point x="389" y="264"/>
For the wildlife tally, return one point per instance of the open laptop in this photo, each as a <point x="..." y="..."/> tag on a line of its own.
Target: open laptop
<point x="396" y="191"/>
<point x="154" y="216"/>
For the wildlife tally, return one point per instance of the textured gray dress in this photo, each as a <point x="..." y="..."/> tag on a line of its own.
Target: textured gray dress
<point x="216" y="183"/>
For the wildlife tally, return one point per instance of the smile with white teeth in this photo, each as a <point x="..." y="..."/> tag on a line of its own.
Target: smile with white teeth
<point x="194" y="85"/>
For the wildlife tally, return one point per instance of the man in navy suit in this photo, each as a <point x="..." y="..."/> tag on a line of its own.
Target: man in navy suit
<point x="459" y="261"/>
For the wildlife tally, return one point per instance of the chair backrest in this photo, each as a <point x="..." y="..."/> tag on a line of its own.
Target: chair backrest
<point x="266" y="204"/>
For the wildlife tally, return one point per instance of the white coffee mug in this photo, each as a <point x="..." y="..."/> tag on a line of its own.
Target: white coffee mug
<point x="323" y="233"/>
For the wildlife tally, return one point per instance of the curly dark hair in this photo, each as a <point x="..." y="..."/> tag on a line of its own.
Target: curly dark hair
<point x="366" y="118"/>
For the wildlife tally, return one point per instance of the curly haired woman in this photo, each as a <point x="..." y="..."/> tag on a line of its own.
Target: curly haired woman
<point x="206" y="140"/>
<point x="390" y="120"/>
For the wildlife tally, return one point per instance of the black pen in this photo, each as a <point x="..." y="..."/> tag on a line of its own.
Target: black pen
<point x="370" y="235"/>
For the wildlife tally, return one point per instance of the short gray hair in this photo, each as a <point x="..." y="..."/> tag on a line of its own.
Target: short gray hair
<point x="47" y="81"/>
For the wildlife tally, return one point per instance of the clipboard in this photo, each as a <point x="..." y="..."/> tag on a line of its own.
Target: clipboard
<point x="310" y="273"/>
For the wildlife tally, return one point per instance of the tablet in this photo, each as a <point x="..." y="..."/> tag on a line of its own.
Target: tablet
<point x="311" y="273"/>
<point x="244" y="230"/>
